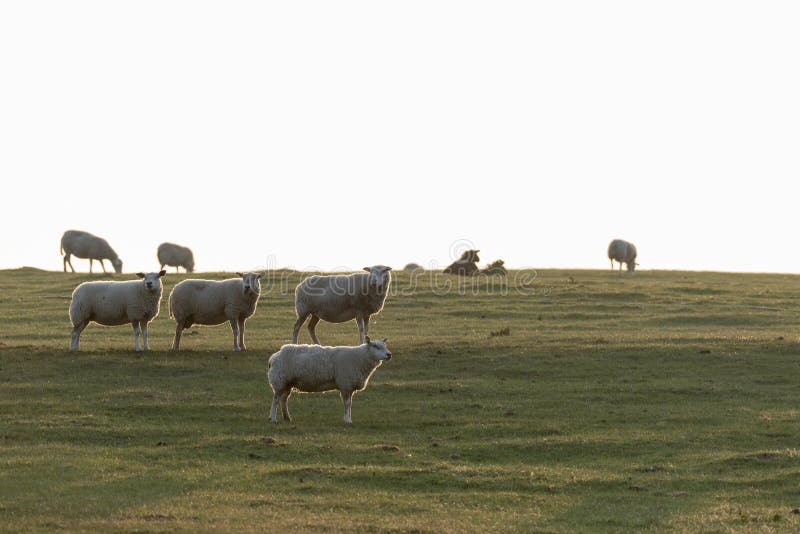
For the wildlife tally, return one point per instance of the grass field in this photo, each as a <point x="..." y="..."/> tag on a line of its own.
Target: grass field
<point x="663" y="401"/>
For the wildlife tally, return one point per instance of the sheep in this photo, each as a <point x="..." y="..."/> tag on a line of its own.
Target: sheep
<point x="85" y="245"/>
<point x="467" y="264"/>
<point x="413" y="267"/>
<point x="623" y="252"/>
<point x="176" y="255"/>
<point x="341" y="298"/>
<point x="314" y="368"/>
<point x="212" y="302"/>
<point x="116" y="303"/>
<point x="497" y="267"/>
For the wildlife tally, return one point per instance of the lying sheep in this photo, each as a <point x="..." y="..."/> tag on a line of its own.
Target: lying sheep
<point x="211" y="302"/>
<point x="466" y="265"/>
<point x="176" y="256"/>
<point x="313" y="368"/>
<point x="116" y="303"/>
<point x="341" y="298"/>
<point x="623" y="252"/>
<point x="413" y="267"/>
<point x="87" y="246"/>
<point x="497" y="267"/>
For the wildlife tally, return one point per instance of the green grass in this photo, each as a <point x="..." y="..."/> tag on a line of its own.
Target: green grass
<point x="665" y="401"/>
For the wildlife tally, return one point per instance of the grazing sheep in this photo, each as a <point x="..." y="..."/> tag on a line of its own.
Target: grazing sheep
<point x="413" y="267"/>
<point x="313" y="368"/>
<point x="341" y="298"/>
<point x="87" y="246"/>
<point x="623" y="252"/>
<point x="211" y="302"/>
<point x="497" y="267"/>
<point x="175" y="255"/>
<point x="467" y="264"/>
<point x="116" y="303"/>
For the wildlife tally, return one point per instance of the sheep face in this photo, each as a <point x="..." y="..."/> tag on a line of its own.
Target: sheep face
<point x="117" y="263"/>
<point x="189" y="266"/>
<point x="631" y="266"/>
<point x="250" y="283"/>
<point x="378" y="349"/>
<point x="470" y="256"/>
<point x="378" y="275"/>
<point x="152" y="281"/>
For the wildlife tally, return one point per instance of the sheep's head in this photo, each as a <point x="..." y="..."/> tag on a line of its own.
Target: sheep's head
<point x="152" y="281"/>
<point x="379" y="275"/>
<point x="189" y="265"/>
<point x="470" y="256"/>
<point x="117" y="263"/>
<point x="250" y="283"/>
<point x="378" y="349"/>
<point x="632" y="266"/>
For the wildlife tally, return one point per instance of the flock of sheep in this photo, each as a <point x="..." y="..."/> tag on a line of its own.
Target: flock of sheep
<point x="331" y="298"/>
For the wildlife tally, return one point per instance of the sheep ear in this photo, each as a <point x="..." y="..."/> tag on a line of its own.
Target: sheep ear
<point x="140" y="275"/>
<point x="161" y="273"/>
<point x="387" y="268"/>
<point x="368" y="340"/>
<point x="240" y="275"/>
<point x="261" y="275"/>
<point x="368" y="269"/>
<point x="385" y="339"/>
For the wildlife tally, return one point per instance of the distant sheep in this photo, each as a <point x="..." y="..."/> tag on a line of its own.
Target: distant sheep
<point x="87" y="246"/>
<point x="341" y="298"/>
<point x="413" y="267"/>
<point x="211" y="302"/>
<point x="176" y="256"/>
<point x="466" y="265"/>
<point x="622" y="252"/>
<point x="116" y="303"/>
<point x="497" y="267"/>
<point x="313" y="368"/>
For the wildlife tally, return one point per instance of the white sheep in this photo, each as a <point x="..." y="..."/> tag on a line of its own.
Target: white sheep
<point x="314" y="368"/>
<point x="212" y="302"/>
<point x="87" y="246"/>
<point x="341" y="298"/>
<point x="622" y="252"/>
<point x="176" y="256"/>
<point x="116" y="303"/>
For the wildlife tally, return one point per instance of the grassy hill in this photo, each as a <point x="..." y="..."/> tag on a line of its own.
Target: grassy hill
<point x="562" y="401"/>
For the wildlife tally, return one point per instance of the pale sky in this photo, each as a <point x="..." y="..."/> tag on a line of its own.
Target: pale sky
<point x="335" y="135"/>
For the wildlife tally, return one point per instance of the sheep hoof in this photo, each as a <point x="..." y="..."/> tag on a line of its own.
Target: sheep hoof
<point x="236" y="349"/>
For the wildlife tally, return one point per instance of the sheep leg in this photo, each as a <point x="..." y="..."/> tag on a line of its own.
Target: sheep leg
<point x="103" y="265"/>
<point x="176" y="342"/>
<point x="66" y="256"/>
<point x="75" y="339"/>
<point x="285" y="405"/>
<point x="90" y="264"/>
<point x="312" y="324"/>
<point x="241" y="334"/>
<point x="360" y="325"/>
<point x="235" y="328"/>
<point x="136" y="331"/>
<point x="143" y="326"/>
<point x="273" y="411"/>
<point x="300" y="320"/>
<point x="366" y="326"/>
<point x="347" y="400"/>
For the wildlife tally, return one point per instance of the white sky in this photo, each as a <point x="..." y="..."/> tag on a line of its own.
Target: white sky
<point x="344" y="134"/>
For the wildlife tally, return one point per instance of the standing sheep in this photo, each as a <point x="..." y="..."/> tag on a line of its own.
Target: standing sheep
<point x="87" y="246"/>
<point x="341" y="298"/>
<point x="211" y="302"/>
<point x="176" y="256"/>
<point x="623" y="252"/>
<point x="313" y="368"/>
<point x="116" y="303"/>
<point x="467" y="264"/>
